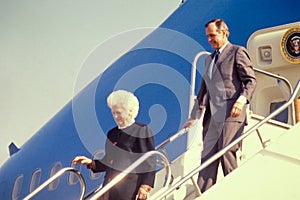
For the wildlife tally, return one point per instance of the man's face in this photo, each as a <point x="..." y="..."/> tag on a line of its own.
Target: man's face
<point x="216" y="38"/>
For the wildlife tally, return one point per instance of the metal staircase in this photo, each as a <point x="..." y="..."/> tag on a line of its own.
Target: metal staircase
<point x="170" y="185"/>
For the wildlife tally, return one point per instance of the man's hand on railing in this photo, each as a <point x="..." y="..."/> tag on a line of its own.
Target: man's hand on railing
<point x="189" y="123"/>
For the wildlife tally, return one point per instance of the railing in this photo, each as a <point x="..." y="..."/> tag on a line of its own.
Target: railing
<point x="225" y="149"/>
<point x="54" y="177"/>
<point x="130" y="169"/>
<point x="99" y="192"/>
<point x="193" y="77"/>
<point x="192" y="97"/>
<point x="171" y="139"/>
<point x="293" y="118"/>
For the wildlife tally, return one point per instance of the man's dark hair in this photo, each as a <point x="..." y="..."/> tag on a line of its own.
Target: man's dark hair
<point x="220" y="24"/>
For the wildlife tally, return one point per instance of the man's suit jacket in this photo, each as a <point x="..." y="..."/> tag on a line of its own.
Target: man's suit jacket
<point x="232" y="77"/>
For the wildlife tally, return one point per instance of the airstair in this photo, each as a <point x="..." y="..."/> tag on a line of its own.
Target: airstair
<point x="271" y="173"/>
<point x="269" y="166"/>
<point x="268" y="162"/>
<point x="261" y="161"/>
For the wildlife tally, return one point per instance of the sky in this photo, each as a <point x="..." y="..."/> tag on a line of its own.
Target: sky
<point x="43" y="45"/>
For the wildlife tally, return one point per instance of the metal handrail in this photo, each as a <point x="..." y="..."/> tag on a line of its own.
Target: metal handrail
<point x="185" y="130"/>
<point x="193" y="78"/>
<point x="171" y="139"/>
<point x="129" y="169"/>
<point x="192" y="90"/>
<point x="192" y="96"/>
<point x="293" y="118"/>
<point x="191" y="100"/>
<point x="54" y="177"/>
<point x="232" y="144"/>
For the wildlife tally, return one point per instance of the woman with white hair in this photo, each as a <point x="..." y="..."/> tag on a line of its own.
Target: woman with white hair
<point x="125" y="143"/>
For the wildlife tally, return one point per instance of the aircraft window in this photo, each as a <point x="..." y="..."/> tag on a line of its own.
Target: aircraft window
<point x="55" y="168"/>
<point x="35" y="180"/>
<point x="73" y="179"/>
<point x="97" y="156"/>
<point x="17" y="187"/>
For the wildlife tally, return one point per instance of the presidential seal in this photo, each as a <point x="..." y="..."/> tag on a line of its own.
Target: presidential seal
<point x="290" y="45"/>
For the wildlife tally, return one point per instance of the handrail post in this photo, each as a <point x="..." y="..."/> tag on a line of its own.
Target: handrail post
<point x="54" y="177"/>
<point x="197" y="189"/>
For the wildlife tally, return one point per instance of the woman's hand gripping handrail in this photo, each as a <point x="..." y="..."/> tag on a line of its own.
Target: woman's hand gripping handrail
<point x="225" y="149"/>
<point x="129" y="169"/>
<point x="54" y="177"/>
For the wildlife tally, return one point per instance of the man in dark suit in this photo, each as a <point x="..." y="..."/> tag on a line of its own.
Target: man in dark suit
<point x="228" y="83"/>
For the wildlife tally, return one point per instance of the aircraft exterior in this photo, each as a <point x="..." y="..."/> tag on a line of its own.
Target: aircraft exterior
<point x="157" y="70"/>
